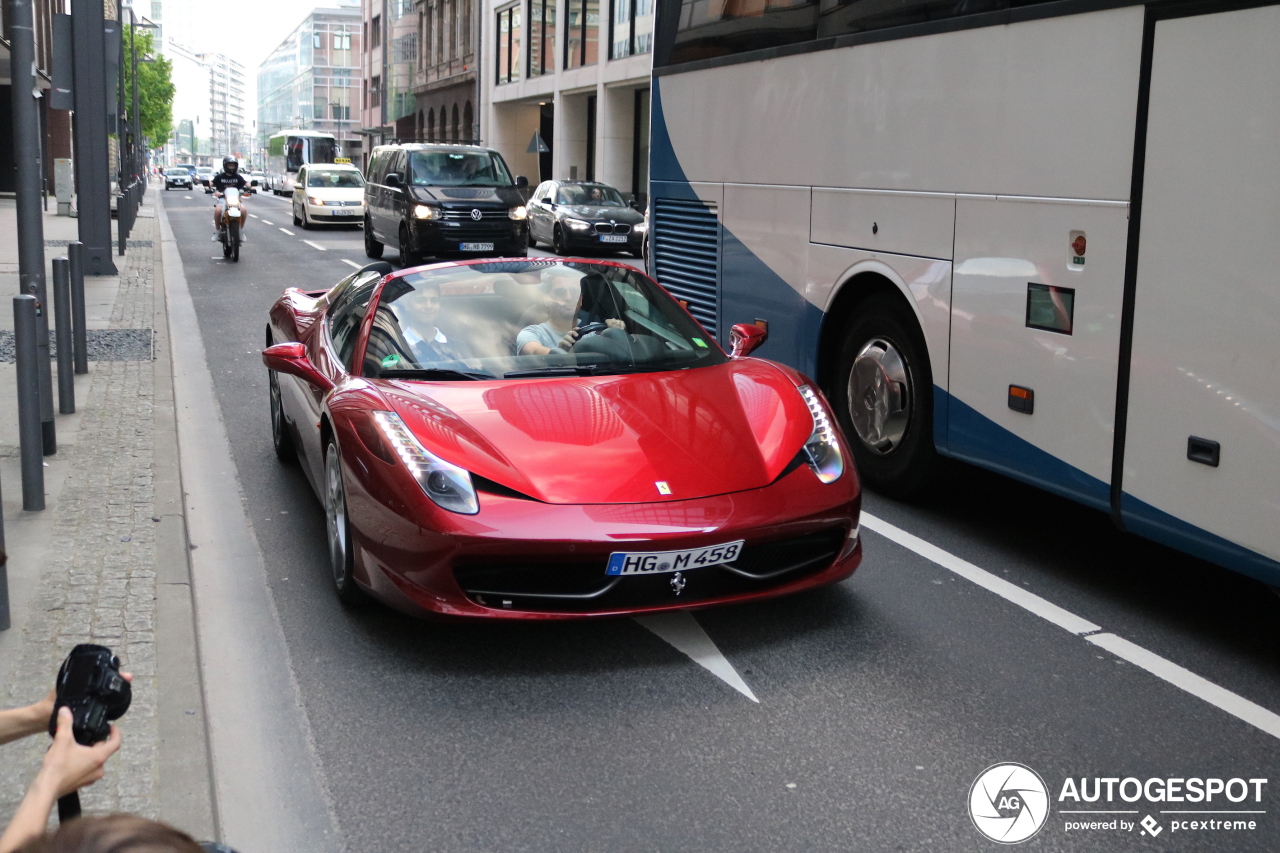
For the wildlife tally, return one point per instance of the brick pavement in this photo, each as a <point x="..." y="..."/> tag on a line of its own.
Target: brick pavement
<point x="98" y="583"/>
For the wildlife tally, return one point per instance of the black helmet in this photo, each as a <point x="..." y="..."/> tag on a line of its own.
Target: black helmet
<point x="230" y="161"/>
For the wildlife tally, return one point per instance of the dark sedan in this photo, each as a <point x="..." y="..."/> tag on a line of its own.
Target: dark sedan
<point x="577" y="215"/>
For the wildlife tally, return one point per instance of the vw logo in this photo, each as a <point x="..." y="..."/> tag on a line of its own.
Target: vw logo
<point x="475" y="214"/>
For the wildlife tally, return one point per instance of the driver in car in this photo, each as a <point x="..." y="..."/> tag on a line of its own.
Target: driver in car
<point x="229" y="177"/>
<point x="563" y="299"/>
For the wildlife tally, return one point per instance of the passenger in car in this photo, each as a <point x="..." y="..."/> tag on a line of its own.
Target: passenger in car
<point x="427" y="342"/>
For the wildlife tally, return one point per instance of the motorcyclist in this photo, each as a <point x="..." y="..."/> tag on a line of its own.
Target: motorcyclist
<point x="229" y="177"/>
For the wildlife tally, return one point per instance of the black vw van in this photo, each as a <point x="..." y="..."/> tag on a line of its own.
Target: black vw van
<point x="443" y="201"/>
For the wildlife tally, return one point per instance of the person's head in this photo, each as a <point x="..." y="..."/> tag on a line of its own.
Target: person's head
<point x="119" y="833"/>
<point x="596" y="195"/>
<point x="230" y="165"/>
<point x="424" y="302"/>
<point x="563" y="289"/>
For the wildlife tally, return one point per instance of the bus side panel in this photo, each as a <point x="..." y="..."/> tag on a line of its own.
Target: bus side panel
<point x="1206" y="337"/>
<point x="763" y="240"/>
<point x="1008" y="253"/>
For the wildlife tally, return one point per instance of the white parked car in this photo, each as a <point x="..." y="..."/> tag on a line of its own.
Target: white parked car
<point x="329" y="193"/>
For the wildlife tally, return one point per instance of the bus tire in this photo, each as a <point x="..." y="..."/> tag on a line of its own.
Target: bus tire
<point x="883" y="396"/>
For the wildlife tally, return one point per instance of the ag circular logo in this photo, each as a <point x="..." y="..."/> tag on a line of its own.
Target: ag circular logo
<point x="1008" y="803"/>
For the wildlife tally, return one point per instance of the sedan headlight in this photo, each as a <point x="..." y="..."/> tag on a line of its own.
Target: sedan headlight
<point x="822" y="450"/>
<point x="578" y="224"/>
<point x="640" y="227"/>
<point x="427" y="211"/>
<point x="316" y="201"/>
<point x="446" y="484"/>
<point x="518" y="213"/>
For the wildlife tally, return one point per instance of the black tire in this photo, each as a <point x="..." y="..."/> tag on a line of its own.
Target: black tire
<point x="281" y="439"/>
<point x="307" y="224"/>
<point x="557" y="242"/>
<point x="881" y="329"/>
<point x="533" y="243"/>
<point x="372" y="248"/>
<point x="338" y="530"/>
<point x="226" y="246"/>
<point x="233" y="239"/>
<point x="408" y="257"/>
<point x="296" y="220"/>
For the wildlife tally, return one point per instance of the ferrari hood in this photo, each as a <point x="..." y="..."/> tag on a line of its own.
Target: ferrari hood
<point x="636" y="438"/>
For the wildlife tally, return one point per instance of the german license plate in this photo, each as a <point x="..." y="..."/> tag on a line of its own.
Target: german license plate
<point x="658" y="562"/>
<point x="612" y="238"/>
<point x="343" y="211"/>
<point x="476" y="247"/>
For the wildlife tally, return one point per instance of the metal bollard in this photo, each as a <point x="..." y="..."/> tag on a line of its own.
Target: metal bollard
<point x="25" y="331"/>
<point x="45" y="364"/>
<point x="75" y="251"/>
<point x="122" y="232"/>
<point x="5" y="623"/>
<point x="62" y="319"/>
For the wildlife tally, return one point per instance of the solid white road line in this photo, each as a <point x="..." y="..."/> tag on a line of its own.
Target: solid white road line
<point x="315" y="245"/>
<point x="287" y="231"/>
<point x="680" y="629"/>
<point x="1180" y="677"/>
<point x="351" y="262"/>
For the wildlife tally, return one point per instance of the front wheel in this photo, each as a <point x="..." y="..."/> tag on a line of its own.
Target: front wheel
<point x="372" y="248"/>
<point x="883" y="396"/>
<point x="296" y="220"/>
<point x="408" y="257"/>
<point x="338" y="528"/>
<point x="533" y="242"/>
<point x="233" y="238"/>
<point x="557" y="242"/>
<point x="281" y="440"/>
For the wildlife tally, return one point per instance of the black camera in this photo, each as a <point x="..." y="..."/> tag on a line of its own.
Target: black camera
<point x="89" y="683"/>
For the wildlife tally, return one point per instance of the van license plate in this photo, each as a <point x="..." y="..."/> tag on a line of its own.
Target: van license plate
<point x="343" y="211"/>
<point x="612" y="238"/>
<point x="658" y="562"/>
<point x="476" y="247"/>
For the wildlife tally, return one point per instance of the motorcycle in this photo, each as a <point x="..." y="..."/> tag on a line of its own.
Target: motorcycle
<point x="229" y="232"/>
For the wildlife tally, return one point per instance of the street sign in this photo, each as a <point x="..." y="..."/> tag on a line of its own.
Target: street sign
<point x="537" y="145"/>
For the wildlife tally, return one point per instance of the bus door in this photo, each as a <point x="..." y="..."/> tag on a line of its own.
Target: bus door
<point x="1202" y="443"/>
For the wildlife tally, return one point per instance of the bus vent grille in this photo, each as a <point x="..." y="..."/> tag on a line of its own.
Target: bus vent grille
<point x="686" y="256"/>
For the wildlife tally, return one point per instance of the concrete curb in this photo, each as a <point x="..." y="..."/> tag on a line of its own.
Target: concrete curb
<point x="185" y="773"/>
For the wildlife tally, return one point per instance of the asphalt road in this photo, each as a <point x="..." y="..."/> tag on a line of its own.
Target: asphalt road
<point x="880" y="699"/>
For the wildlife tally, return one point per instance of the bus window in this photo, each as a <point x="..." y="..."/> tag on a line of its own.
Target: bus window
<point x="296" y="154"/>
<point x="323" y="150"/>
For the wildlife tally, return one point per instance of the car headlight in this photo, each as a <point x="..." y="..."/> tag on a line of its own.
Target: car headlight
<point x="316" y="201"/>
<point x="448" y="486"/>
<point x="822" y="450"/>
<point x="518" y="213"/>
<point x="427" y="211"/>
<point x="640" y="227"/>
<point x="578" y="224"/>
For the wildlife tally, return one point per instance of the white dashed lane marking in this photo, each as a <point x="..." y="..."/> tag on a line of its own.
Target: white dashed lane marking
<point x="351" y="263"/>
<point x="287" y="231"/>
<point x="1180" y="677"/>
<point x="267" y="222"/>
<point x="313" y="245"/>
<point x="681" y="629"/>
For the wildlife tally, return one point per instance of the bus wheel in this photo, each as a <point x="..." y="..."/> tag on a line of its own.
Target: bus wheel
<point x="883" y="397"/>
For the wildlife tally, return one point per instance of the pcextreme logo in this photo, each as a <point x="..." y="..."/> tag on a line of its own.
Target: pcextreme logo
<point x="1008" y="803"/>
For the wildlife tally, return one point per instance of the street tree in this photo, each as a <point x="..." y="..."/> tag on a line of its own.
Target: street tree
<point x="155" y="85"/>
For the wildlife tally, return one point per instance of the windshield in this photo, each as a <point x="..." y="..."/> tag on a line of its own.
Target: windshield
<point x="518" y="319"/>
<point x="342" y="179"/>
<point x="458" y="169"/>
<point x="593" y="195"/>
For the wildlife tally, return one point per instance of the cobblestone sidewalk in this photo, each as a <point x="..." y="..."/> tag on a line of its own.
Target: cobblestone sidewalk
<point x="99" y="582"/>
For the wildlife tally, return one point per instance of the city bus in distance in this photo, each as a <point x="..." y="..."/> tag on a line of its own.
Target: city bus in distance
<point x="290" y="150"/>
<point x="1040" y="237"/>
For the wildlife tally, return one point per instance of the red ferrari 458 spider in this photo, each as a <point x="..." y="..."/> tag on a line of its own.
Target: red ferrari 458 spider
<point x="549" y="439"/>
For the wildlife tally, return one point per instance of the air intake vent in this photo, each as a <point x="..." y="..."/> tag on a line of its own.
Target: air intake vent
<point x="686" y="255"/>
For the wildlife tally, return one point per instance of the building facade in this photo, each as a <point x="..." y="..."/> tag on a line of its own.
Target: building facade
<point x="55" y="124"/>
<point x="421" y="58"/>
<point x="226" y="106"/>
<point x="566" y="88"/>
<point x="314" y="79"/>
<point x="192" y="140"/>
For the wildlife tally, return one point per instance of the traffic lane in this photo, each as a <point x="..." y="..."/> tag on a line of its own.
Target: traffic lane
<point x="446" y="731"/>
<point x="1217" y="623"/>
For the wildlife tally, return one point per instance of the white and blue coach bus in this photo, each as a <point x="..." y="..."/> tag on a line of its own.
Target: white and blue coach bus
<point x="1041" y="237"/>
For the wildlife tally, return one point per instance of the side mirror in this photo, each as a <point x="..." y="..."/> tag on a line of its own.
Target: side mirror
<point x="392" y="179"/>
<point x="521" y="182"/>
<point x="291" y="358"/>
<point x="745" y="337"/>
